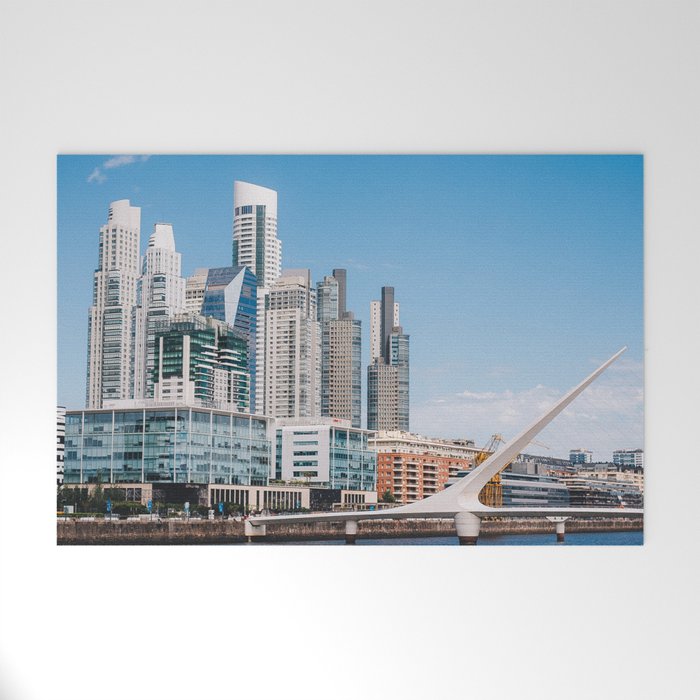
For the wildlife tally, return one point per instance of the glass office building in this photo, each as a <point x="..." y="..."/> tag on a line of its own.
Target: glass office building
<point x="230" y="295"/>
<point x="178" y="445"/>
<point x="204" y="360"/>
<point x="533" y="490"/>
<point x="325" y="453"/>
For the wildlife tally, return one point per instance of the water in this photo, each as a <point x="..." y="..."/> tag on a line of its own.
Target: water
<point x="539" y="539"/>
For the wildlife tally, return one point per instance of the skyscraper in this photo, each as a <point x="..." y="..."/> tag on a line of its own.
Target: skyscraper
<point x="256" y="246"/>
<point x="375" y="327"/>
<point x="111" y="321"/>
<point x="255" y="242"/>
<point x="201" y="361"/>
<point x="230" y="295"/>
<point x="341" y="345"/>
<point x="292" y="348"/>
<point x="388" y="372"/>
<point x="161" y="294"/>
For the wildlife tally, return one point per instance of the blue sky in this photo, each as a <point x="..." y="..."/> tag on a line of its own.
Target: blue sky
<point x="516" y="275"/>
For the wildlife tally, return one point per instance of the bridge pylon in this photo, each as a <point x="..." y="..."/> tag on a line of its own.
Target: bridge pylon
<point x="468" y="526"/>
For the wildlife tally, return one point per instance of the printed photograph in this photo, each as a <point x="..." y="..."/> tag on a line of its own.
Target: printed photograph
<point x="350" y="350"/>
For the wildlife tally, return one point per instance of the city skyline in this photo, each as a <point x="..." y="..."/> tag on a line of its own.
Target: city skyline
<point x="546" y="250"/>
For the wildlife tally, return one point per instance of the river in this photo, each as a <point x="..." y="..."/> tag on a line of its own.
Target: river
<point x="620" y="538"/>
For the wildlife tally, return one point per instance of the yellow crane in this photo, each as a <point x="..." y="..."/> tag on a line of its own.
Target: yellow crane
<point x="492" y="493"/>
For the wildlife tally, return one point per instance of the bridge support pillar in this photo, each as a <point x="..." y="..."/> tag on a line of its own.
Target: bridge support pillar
<point x="559" y="525"/>
<point x="467" y="525"/>
<point x="350" y="531"/>
<point x="251" y="530"/>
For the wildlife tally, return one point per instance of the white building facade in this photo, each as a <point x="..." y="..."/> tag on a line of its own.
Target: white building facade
<point x="629" y="458"/>
<point x="111" y="321"/>
<point x="256" y="246"/>
<point x="292" y="349"/>
<point x="326" y="452"/>
<point x="194" y="290"/>
<point x="161" y="294"/>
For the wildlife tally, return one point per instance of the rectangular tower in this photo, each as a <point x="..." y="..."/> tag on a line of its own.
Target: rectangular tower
<point x="292" y="348"/>
<point x="375" y="327"/>
<point x="341" y="345"/>
<point x="388" y="372"/>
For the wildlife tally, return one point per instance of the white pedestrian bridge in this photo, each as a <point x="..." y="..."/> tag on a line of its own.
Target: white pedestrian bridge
<point x="461" y="500"/>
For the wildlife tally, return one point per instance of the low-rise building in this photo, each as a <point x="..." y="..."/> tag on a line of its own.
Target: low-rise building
<point x="411" y="467"/>
<point x="167" y="443"/>
<point x="324" y="452"/>
<point x="615" y="475"/>
<point x="251" y="499"/>
<point x="587" y="491"/>
<point x="580" y="456"/>
<point x="629" y="458"/>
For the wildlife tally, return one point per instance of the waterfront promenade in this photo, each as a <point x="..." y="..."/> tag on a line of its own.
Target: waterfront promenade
<point x="75" y="531"/>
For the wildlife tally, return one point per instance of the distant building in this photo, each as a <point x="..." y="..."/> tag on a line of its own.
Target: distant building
<point x="341" y="347"/>
<point x="614" y="474"/>
<point x="388" y="372"/>
<point x="194" y="290"/>
<point x="580" y="456"/>
<point x="412" y="467"/>
<point x="110" y="370"/>
<point x="629" y="458"/>
<point x="325" y="452"/>
<point x="520" y="489"/>
<point x="587" y="491"/>
<point x="60" y="443"/>
<point x="292" y="348"/>
<point x="538" y="464"/>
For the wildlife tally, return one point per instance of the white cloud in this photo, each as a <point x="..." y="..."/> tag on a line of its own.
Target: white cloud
<point x="609" y="415"/>
<point x="96" y="176"/>
<point x="114" y="162"/>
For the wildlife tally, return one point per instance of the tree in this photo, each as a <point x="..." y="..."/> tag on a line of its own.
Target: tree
<point x="388" y="497"/>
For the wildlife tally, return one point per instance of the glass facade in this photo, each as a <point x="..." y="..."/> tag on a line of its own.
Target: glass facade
<point x="353" y="465"/>
<point x="182" y="445"/>
<point x="210" y="350"/>
<point x="326" y="456"/>
<point x="533" y="490"/>
<point x="231" y="296"/>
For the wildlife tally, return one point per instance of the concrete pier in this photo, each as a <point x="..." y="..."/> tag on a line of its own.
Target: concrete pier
<point x="468" y="526"/>
<point x="350" y="531"/>
<point x="559" y="526"/>
<point x="251" y="530"/>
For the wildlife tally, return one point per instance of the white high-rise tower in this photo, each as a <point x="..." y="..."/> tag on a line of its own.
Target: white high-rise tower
<point x="255" y="242"/>
<point x="256" y="246"/>
<point x="112" y="314"/>
<point x="293" y="349"/>
<point x="161" y="295"/>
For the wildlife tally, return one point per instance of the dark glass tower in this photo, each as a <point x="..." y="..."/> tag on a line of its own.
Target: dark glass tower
<point x="230" y="295"/>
